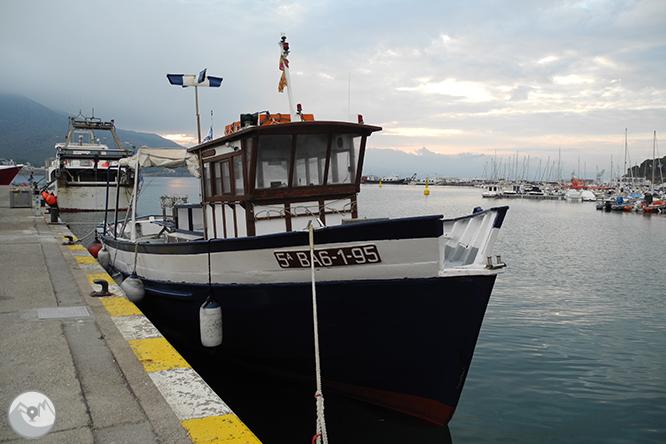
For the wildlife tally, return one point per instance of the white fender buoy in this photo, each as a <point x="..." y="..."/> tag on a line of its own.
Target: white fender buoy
<point x="104" y="258"/>
<point x="133" y="288"/>
<point x="210" y="323"/>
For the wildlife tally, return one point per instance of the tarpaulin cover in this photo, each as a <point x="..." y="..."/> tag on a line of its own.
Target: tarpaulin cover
<point x="163" y="157"/>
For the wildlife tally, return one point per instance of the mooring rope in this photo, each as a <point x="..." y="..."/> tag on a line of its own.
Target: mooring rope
<point x="320" y="433"/>
<point x="136" y="255"/>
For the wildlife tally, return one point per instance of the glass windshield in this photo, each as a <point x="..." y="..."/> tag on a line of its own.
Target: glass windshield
<point x="310" y="160"/>
<point x="344" y="155"/>
<point x="273" y="157"/>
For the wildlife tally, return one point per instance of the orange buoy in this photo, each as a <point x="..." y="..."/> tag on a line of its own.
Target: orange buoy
<point x="94" y="248"/>
<point x="50" y="198"/>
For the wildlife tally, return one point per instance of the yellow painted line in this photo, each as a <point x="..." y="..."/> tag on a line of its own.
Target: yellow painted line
<point x="92" y="276"/>
<point x="85" y="259"/>
<point x="77" y="247"/>
<point x="120" y="307"/>
<point x="157" y="354"/>
<point x="227" y="428"/>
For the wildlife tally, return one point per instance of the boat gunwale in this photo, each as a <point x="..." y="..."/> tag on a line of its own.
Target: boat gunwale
<point x="431" y="226"/>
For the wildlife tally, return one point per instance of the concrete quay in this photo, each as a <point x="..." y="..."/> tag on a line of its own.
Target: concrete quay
<point x="110" y="374"/>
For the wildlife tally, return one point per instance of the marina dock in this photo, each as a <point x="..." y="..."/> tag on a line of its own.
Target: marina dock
<point x="110" y="374"/>
<point x="534" y="196"/>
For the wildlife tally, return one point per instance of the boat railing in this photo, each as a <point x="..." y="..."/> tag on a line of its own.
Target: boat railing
<point x="467" y="241"/>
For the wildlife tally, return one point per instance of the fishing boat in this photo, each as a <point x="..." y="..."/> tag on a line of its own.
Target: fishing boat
<point x="8" y="173"/>
<point x="400" y="302"/>
<point x="83" y="167"/>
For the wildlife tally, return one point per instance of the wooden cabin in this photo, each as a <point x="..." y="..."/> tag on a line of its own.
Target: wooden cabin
<point x="268" y="175"/>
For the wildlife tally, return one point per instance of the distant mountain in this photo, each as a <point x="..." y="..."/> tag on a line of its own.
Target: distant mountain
<point x="425" y="163"/>
<point x="29" y="131"/>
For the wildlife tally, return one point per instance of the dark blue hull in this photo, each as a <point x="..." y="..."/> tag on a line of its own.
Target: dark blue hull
<point x="405" y="344"/>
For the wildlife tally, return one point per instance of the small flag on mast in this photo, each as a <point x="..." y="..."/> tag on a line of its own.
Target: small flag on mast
<point x="283" y="79"/>
<point x="209" y="136"/>
<point x="284" y="63"/>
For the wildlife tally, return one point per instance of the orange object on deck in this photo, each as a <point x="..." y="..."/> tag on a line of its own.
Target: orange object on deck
<point x="268" y="119"/>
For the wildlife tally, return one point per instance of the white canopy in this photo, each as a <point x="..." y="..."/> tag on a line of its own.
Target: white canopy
<point x="163" y="157"/>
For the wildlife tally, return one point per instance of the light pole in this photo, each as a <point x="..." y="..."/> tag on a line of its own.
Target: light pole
<point x="201" y="79"/>
<point x="195" y="80"/>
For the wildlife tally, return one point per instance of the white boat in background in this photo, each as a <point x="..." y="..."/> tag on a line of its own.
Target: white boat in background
<point x="588" y="196"/>
<point x="573" y="195"/>
<point x="83" y="166"/>
<point x="492" y="191"/>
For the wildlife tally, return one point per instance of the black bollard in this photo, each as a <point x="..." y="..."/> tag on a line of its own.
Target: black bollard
<point x="54" y="214"/>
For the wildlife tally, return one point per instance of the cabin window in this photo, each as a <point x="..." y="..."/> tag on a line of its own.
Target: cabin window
<point x="273" y="157"/>
<point x="226" y="178"/>
<point x="247" y="146"/>
<point x="310" y="160"/>
<point x="344" y="155"/>
<point x="207" y="180"/>
<point x="220" y="182"/>
<point x="93" y="175"/>
<point x="238" y="175"/>
<point x="217" y="168"/>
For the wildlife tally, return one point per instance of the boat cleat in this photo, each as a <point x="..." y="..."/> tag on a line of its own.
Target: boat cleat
<point x="491" y="266"/>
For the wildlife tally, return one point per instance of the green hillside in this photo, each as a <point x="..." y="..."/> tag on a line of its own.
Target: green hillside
<point x="29" y="131"/>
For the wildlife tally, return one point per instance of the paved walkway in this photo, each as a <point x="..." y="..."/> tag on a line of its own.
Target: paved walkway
<point x="82" y="351"/>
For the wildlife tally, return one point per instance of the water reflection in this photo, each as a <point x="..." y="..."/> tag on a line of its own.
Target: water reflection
<point x="572" y="348"/>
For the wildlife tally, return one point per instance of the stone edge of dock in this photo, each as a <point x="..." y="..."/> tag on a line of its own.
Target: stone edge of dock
<point x="201" y="412"/>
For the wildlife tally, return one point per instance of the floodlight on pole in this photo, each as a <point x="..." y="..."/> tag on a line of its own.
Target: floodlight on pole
<point x="195" y="80"/>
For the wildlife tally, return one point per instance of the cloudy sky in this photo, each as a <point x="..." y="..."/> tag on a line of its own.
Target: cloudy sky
<point x="509" y="79"/>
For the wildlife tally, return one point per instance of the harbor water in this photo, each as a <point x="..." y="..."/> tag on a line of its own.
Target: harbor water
<point x="572" y="348"/>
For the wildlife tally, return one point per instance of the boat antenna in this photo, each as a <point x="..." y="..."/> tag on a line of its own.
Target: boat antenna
<point x="285" y="79"/>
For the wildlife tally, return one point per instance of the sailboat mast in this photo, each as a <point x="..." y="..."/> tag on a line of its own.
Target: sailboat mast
<point x="625" y="152"/>
<point x="654" y="161"/>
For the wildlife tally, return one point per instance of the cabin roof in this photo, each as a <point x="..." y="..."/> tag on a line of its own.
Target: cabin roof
<point x="311" y="127"/>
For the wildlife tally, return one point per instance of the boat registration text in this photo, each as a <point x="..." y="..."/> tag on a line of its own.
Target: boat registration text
<point x="329" y="257"/>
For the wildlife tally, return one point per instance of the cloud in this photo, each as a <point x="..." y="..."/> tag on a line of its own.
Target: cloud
<point x="420" y="132"/>
<point x="571" y="79"/>
<point x="182" y="139"/>
<point x="469" y="91"/>
<point x="472" y="76"/>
